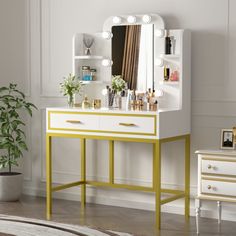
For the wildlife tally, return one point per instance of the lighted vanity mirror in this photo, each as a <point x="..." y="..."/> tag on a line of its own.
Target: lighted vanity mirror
<point x="132" y="55"/>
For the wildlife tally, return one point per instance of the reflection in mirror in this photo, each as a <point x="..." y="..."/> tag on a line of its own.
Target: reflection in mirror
<point x="132" y="55"/>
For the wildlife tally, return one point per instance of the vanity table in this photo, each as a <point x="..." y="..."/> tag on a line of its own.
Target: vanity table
<point x="170" y="123"/>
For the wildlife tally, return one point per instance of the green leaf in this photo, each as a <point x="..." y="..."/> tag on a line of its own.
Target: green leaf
<point x="29" y="110"/>
<point x="19" y="92"/>
<point x="23" y="145"/>
<point x="3" y="89"/>
<point x="32" y="105"/>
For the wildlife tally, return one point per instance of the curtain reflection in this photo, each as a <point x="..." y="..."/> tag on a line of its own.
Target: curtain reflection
<point x="131" y="55"/>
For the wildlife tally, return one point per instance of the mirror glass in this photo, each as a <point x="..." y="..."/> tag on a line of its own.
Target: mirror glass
<point x="132" y="55"/>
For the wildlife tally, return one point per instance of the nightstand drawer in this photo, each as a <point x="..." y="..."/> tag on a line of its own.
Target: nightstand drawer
<point x="144" y="125"/>
<point x="221" y="167"/>
<point x="219" y="187"/>
<point x="72" y="121"/>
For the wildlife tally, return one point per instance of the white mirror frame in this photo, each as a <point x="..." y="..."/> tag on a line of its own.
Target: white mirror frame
<point x="159" y="29"/>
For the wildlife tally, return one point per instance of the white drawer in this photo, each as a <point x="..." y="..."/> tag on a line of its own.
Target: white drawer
<point x="219" y="167"/>
<point x="218" y="187"/>
<point x="144" y="125"/>
<point x="72" y="121"/>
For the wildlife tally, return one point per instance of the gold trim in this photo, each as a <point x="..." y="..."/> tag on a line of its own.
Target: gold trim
<point x="220" y="195"/>
<point x="221" y="175"/>
<point x="102" y="131"/>
<point x="87" y="136"/>
<point x="219" y="179"/>
<point x="217" y="159"/>
<point x="125" y="186"/>
<point x="173" y="198"/>
<point x="127" y="124"/>
<point x="74" y="121"/>
<point x="65" y="186"/>
<point x="211" y="197"/>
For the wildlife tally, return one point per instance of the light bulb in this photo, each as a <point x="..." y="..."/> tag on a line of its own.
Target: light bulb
<point x="131" y="19"/>
<point x="159" y="33"/>
<point x="147" y="19"/>
<point x="116" y="20"/>
<point x="107" y="35"/>
<point x="159" y="93"/>
<point x="107" y="62"/>
<point x="159" y="62"/>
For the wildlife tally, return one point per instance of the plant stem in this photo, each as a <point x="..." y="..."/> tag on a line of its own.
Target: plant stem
<point x="9" y="160"/>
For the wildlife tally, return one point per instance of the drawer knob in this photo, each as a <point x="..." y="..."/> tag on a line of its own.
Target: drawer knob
<point x="209" y="166"/>
<point x="74" y="121"/>
<point x="209" y="187"/>
<point x="127" y="124"/>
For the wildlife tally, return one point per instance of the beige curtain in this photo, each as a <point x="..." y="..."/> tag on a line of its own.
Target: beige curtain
<point x="131" y="55"/>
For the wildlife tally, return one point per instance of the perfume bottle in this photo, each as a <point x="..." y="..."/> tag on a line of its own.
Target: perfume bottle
<point x="85" y="103"/>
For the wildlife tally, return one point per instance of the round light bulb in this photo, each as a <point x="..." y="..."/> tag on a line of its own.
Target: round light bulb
<point x="159" y="62"/>
<point x="107" y="35"/>
<point x="107" y="62"/>
<point x="116" y="20"/>
<point x="159" y="33"/>
<point x="159" y="93"/>
<point x="131" y="19"/>
<point x="147" y="19"/>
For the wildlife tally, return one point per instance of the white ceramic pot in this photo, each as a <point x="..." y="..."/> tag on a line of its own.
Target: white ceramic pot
<point x="10" y="186"/>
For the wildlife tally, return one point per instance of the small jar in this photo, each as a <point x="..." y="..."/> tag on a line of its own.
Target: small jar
<point x="96" y="103"/>
<point x="86" y="74"/>
<point x="93" y="74"/>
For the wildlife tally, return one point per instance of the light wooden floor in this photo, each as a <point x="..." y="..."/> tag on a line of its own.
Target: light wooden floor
<point x="137" y="222"/>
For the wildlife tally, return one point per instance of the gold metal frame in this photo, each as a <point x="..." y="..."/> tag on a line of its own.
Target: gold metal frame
<point x="156" y="186"/>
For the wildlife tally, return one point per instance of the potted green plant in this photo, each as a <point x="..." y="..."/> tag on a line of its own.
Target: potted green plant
<point x="70" y="86"/>
<point x="117" y="85"/>
<point x="12" y="140"/>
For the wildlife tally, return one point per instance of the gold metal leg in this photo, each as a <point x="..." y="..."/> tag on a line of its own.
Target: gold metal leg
<point x="187" y="176"/>
<point x="111" y="161"/>
<point x="157" y="180"/>
<point x="83" y="171"/>
<point x="49" y="176"/>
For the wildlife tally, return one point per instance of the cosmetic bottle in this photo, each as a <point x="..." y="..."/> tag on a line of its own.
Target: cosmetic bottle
<point x="167" y="43"/>
<point x="106" y="98"/>
<point x="166" y="73"/>
<point x="85" y="103"/>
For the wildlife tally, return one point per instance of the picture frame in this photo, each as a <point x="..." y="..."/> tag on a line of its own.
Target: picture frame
<point x="227" y="139"/>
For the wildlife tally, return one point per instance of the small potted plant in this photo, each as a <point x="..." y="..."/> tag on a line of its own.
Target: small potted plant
<point x="12" y="140"/>
<point x="117" y="85"/>
<point x="70" y="86"/>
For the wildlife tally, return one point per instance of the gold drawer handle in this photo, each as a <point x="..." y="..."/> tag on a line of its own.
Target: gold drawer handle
<point x="74" y="121"/>
<point x="127" y="124"/>
<point x="209" y="166"/>
<point x="209" y="187"/>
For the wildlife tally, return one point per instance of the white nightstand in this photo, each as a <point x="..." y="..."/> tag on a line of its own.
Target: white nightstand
<point x="216" y="179"/>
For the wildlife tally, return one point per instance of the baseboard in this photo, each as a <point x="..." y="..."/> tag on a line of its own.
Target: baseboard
<point x="176" y="207"/>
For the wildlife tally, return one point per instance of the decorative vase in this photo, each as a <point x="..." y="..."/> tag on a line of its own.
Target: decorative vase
<point x="117" y="101"/>
<point x="71" y="100"/>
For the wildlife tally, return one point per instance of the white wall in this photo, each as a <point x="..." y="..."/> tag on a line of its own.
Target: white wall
<point x="50" y="30"/>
